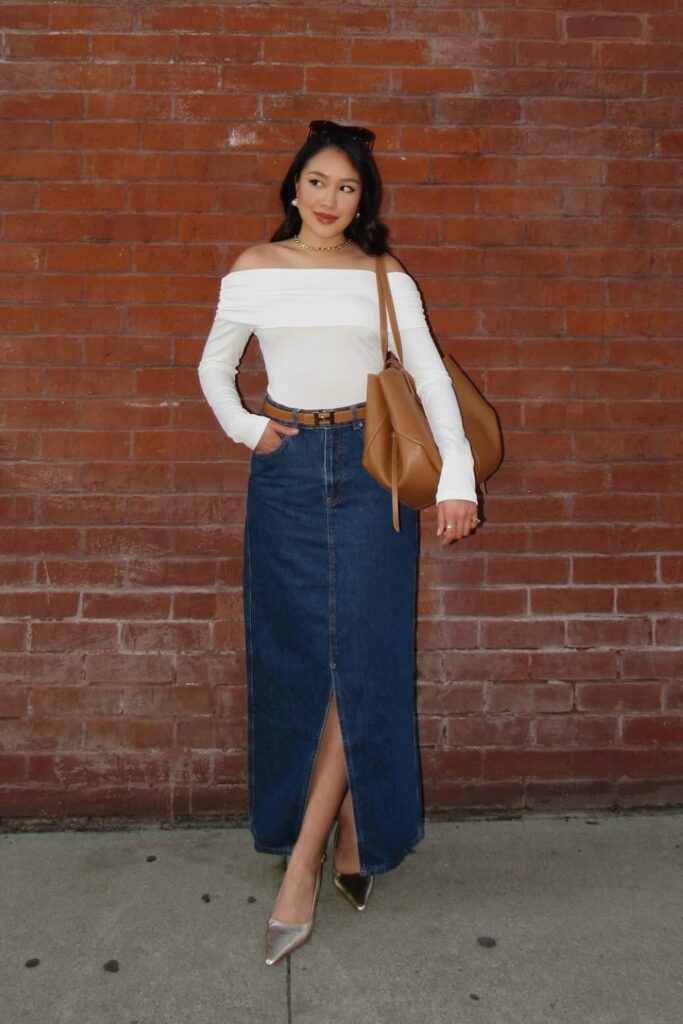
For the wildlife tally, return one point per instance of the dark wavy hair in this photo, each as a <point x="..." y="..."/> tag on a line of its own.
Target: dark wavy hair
<point x="367" y="230"/>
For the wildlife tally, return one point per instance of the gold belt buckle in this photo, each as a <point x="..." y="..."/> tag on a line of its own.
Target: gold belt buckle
<point x="323" y="416"/>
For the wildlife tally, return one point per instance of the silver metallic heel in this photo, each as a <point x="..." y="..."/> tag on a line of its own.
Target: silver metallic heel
<point x="283" y="938"/>
<point x="355" y="887"/>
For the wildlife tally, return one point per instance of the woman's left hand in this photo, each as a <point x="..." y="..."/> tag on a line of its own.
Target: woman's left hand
<point x="455" y="519"/>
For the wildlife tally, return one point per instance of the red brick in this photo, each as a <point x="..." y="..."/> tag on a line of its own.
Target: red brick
<point x="452" y="793"/>
<point x="167" y="382"/>
<point x="176" y="78"/>
<point x="482" y="666"/>
<point x="671" y="143"/>
<point x="25" y="16"/>
<point x="573" y="664"/>
<point x="463" y="764"/>
<point x="644" y="173"/>
<point x="429" y="81"/>
<point x="69" y="573"/>
<point x="38" y="604"/>
<point x="445" y="699"/>
<point x="39" y="668"/>
<point x="489" y="601"/>
<point x="122" y="476"/>
<point x="80" y="701"/>
<point x="656" y="729"/>
<point x="181" y="17"/>
<point x="603" y="26"/>
<point x="270" y="78"/>
<point x="521" y="23"/>
<point x="85" y="444"/>
<point x="671" y="568"/>
<point x="141" y="669"/>
<point x="650" y="600"/>
<point x="577" y="730"/>
<point x="618" y="696"/>
<point x="649" y="664"/>
<point x="480" y="111"/>
<point x="69" y="636"/>
<point x="514" y="201"/>
<point x="635" y="55"/>
<point x="614" y="569"/>
<point x="552" y="54"/>
<point x="13" y="635"/>
<point x="605" y="632"/>
<point x="400" y="52"/>
<point x="85" y="16"/>
<point x="551" y="82"/>
<point x="39" y="541"/>
<point x="128" y="106"/>
<point x="664" y="84"/>
<point x="41" y="165"/>
<point x="521" y="633"/>
<point x="665" y="26"/>
<point x="673" y="695"/>
<point x="126" y="605"/>
<point x="14" y="704"/>
<point x="200" y="605"/>
<point x="165" y="636"/>
<point x="126" y="734"/>
<point x="499" y="763"/>
<point x="484" y="731"/>
<point x="13" y="768"/>
<point x="122" y="540"/>
<point x="51" y="46"/>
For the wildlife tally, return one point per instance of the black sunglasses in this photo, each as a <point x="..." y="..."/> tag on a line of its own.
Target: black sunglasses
<point x="363" y="135"/>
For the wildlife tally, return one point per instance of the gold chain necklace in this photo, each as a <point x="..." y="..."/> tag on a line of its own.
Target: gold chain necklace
<point x="321" y="248"/>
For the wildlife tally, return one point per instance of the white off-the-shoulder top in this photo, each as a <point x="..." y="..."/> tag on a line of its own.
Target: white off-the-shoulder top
<point x="318" y="329"/>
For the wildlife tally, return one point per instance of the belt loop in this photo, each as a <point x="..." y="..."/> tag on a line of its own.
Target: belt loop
<point x="295" y="415"/>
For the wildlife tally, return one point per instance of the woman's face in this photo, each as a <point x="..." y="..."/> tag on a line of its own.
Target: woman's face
<point x="328" y="184"/>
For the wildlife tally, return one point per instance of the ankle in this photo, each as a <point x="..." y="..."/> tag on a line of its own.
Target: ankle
<point x="305" y="860"/>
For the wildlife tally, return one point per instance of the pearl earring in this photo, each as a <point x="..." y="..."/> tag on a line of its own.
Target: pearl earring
<point x="295" y="202"/>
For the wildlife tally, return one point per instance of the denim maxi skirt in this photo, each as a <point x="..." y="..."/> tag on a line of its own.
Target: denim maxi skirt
<point x="329" y="606"/>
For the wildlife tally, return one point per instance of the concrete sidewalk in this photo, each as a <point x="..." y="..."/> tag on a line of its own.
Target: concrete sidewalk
<point x="574" y="919"/>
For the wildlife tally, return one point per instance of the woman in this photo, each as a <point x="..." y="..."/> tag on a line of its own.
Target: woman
<point x="329" y="585"/>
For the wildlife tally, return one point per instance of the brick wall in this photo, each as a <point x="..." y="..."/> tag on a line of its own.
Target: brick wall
<point x="532" y="161"/>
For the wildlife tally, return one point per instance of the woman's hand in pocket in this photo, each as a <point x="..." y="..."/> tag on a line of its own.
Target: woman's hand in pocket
<point x="271" y="438"/>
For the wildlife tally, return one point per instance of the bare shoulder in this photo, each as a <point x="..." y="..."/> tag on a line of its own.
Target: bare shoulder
<point x="259" y="257"/>
<point x="392" y="264"/>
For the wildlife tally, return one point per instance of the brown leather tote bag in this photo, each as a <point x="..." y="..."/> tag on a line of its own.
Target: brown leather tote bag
<point x="399" y="449"/>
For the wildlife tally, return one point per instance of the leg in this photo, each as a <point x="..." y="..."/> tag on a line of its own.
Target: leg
<point x="328" y="784"/>
<point x="346" y="854"/>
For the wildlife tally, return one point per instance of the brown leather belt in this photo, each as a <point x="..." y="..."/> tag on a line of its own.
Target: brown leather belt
<point x="314" y="417"/>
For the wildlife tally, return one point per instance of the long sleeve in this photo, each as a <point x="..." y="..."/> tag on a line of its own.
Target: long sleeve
<point x="434" y="387"/>
<point x="217" y="370"/>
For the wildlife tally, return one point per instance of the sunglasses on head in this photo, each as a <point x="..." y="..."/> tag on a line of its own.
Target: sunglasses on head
<point x="363" y="135"/>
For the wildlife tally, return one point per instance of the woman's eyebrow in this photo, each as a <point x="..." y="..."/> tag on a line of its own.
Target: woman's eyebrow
<point x="323" y="175"/>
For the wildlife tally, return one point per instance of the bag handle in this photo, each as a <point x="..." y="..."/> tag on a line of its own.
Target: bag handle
<point x="386" y="302"/>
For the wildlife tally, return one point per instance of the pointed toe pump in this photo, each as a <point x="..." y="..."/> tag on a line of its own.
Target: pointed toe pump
<point x="283" y="938"/>
<point x="355" y="887"/>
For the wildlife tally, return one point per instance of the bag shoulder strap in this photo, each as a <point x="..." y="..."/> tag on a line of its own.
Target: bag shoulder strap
<point x="386" y="303"/>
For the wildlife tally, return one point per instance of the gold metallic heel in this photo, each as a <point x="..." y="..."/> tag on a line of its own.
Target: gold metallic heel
<point x="283" y="938"/>
<point x="355" y="887"/>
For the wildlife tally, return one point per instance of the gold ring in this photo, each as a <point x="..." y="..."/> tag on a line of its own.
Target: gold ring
<point x="449" y="526"/>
